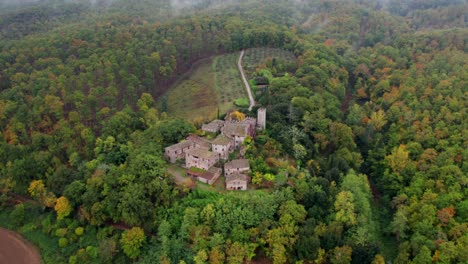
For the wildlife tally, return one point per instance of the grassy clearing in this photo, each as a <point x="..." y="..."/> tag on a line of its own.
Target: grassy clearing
<point x="213" y="84"/>
<point x="192" y="96"/>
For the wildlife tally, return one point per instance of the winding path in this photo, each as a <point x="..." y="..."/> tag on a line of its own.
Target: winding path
<point x="246" y="83"/>
<point x="15" y="249"/>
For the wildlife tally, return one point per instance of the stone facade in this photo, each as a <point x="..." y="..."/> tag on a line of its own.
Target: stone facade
<point x="208" y="177"/>
<point x="200" y="158"/>
<point x="223" y="146"/>
<point x="237" y="132"/>
<point x="236" y="181"/>
<point x="177" y="151"/>
<point x="199" y="142"/>
<point x="251" y="122"/>
<point x="212" y="175"/>
<point x="236" y="166"/>
<point x="261" y="118"/>
<point x="197" y="154"/>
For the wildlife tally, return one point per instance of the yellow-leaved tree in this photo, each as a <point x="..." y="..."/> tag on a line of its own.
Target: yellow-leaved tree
<point x="378" y="119"/>
<point x="62" y="207"/>
<point x="39" y="192"/>
<point x="238" y="116"/>
<point x="398" y="159"/>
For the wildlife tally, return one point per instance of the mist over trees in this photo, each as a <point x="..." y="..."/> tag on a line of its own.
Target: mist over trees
<point x="363" y="159"/>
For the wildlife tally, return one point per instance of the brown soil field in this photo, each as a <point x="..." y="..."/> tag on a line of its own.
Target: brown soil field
<point x="15" y="249"/>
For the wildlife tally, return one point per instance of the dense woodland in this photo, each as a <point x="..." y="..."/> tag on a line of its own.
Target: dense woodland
<point x="363" y="160"/>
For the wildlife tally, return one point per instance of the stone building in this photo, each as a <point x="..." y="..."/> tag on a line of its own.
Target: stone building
<point x="177" y="151"/>
<point x="236" y="132"/>
<point x="261" y="118"/>
<point x="236" y="181"/>
<point x="222" y="145"/>
<point x="208" y="177"/>
<point x="214" y="126"/>
<point x="251" y="122"/>
<point x="199" y="142"/>
<point x="236" y="166"/>
<point x="200" y="158"/>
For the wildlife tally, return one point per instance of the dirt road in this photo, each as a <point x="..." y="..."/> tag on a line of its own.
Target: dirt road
<point x="15" y="249"/>
<point x="246" y="83"/>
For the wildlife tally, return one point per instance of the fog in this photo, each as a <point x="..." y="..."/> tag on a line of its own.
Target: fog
<point x="179" y="6"/>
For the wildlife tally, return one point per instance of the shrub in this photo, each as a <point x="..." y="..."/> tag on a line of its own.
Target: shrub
<point x="61" y="232"/>
<point x="242" y="102"/>
<point x="46" y="224"/>
<point x="17" y="215"/>
<point x="107" y="250"/>
<point x="63" y="242"/>
<point x="73" y="259"/>
<point x="79" y="231"/>
<point x="28" y="227"/>
<point x="92" y="251"/>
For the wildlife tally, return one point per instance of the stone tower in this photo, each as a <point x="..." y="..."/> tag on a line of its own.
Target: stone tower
<point x="261" y="118"/>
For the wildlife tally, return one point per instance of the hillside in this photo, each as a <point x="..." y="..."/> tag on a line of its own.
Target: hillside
<point x="363" y="159"/>
<point x="213" y="85"/>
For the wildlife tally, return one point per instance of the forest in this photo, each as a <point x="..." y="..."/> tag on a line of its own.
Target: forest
<point x="363" y="159"/>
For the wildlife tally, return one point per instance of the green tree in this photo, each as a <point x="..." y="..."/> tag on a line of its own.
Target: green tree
<point x="342" y="136"/>
<point x="131" y="241"/>
<point x="341" y="255"/>
<point x="423" y="257"/>
<point x="201" y="257"/>
<point x="344" y="208"/>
